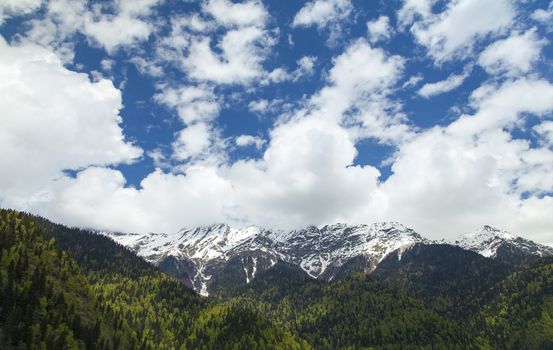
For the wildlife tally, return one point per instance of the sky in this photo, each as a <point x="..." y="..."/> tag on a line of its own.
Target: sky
<point x="154" y="115"/>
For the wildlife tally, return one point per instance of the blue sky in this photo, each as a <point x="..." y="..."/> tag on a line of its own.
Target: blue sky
<point x="153" y="115"/>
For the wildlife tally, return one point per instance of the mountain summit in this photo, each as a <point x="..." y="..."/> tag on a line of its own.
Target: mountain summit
<point x="220" y="257"/>
<point x="204" y="256"/>
<point x="503" y="246"/>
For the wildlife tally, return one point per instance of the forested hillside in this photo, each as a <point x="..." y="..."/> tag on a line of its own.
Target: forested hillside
<point x="110" y="299"/>
<point x="70" y="288"/>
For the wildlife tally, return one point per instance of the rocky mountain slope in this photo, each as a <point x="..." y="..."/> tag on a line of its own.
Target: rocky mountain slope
<point x="219" y="257"/>
<point x="503" y="246"/>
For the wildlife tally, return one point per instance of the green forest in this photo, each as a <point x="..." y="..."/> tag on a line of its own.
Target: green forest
<point x="66" y="288"/>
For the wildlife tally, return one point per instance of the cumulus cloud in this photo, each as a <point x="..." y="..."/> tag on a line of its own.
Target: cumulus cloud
<point x="192" y="103"/>
<point x="463" y="173"/>
<point x="379" y="29"/>
<point x="197" y="107"/>
<point x="263" y="106"/>
<point x="324" y="14"/>
<point x="453" y="32"/>
<point x="306" y="176"/>
<point x="108" y="25"/>
<point x="99" y="198"/>
<point x="235" y="56"/>
<point x="9" y="8"/>
<point x="545" y="130"/>
<point x="193" y="142"/>
<point x="228" y="13"/>
<point x="413" y="9"/>
<point x="305" y="68"/>
<point x="249" y="140"/>
<point x="452" y="82"/>
<point x="126" y="27"/>
<point x="444" y="179"/>
<point x="513" y="55"/>
<point x="544" y="15"/>
<point x="54" y="119"/>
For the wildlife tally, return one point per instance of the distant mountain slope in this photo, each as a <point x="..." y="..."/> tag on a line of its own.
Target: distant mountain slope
<point x="356" y="312"/>
<point x="96" y="294"/>
<point x="449" y="278"/>
<point x="69" y="288"/>
<point x="520" y="316"/>
<point x="503" y="246"/>
<point x="46" y="300"/>
<point x="216" y="257"/>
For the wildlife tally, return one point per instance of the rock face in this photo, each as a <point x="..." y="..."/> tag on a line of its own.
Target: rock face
<point x="219" y="257"/>
<point x="503" y="246"/>
<point x="216" y="257"/>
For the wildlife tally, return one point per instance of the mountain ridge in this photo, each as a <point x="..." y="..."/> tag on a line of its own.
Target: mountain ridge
<point x="205" y="255"/>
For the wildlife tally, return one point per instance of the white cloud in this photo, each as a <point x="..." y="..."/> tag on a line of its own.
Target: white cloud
<point x="147" y="67"/>
<point x="54" y="119"/>
<point x="192" y="103"/>
<point x="454" y="32"/>
<point x="463" y="174"/>
<point x="379" y="29"/>
<point x="411" y="9"/>
<point x="359" y="85"/>
<point x="249" y="140"/>
<point x="110" y="25"/>
<point x="322" y="13"/>
<point x="500" y="107"/>
<point x="107" y="64"/>
<point x="305" y="68"/>
<point x="9" y="8"/>
<point x="197" y="107"/>
<point x="127" y="27"/>
<point x="225" y="12"/>
<point x="263" y="106"/>
<point x="305" y="176"/>
<point x="277" y="75"/>
<point x="98" y="198"/>
<point x="545" y="130"/>
<point x="452" y="82"/>
<point x="193" y="142"/>
<point x="226" y="43"/>
<point x="514" y="55"/>
<point x="325" y="14"/>
<point x="544" y="16"/>
<point x="413" y="81"/>
<point x="240" y="61"/>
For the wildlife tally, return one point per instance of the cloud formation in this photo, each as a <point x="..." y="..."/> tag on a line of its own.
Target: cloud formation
<point x="54" y="119"/>
<point x="267" y="133"/>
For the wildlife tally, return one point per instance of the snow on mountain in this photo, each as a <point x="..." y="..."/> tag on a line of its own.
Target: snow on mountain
<point x="490" y="242"/>
<point x="211" y="248"/>
<point x="216" y="257"/>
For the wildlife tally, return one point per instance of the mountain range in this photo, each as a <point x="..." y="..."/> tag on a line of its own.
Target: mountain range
<point x="379" y="286"/>
<point x="219" y="257"/>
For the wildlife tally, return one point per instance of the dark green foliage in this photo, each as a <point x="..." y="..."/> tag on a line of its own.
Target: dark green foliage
<point x="46" y="299"/>
<point x="453" y="280"/>
<point x="63" y="288"/>
<point x="235" y="325"/>
<point x="111" y="299"/>
<point x="356" y="312"/>
<point x="520" y="316"/>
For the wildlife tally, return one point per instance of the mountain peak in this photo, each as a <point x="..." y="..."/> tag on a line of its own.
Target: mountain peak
<point x="488" y="240"/>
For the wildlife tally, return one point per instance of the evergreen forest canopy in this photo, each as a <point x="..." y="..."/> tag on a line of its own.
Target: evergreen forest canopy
<point x="66" y="288"/>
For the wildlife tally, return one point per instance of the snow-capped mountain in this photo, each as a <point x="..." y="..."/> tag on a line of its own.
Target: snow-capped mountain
<point x="502" y="245"/>
<point x="216" y="257"/>
<point x="208" y="256"/>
